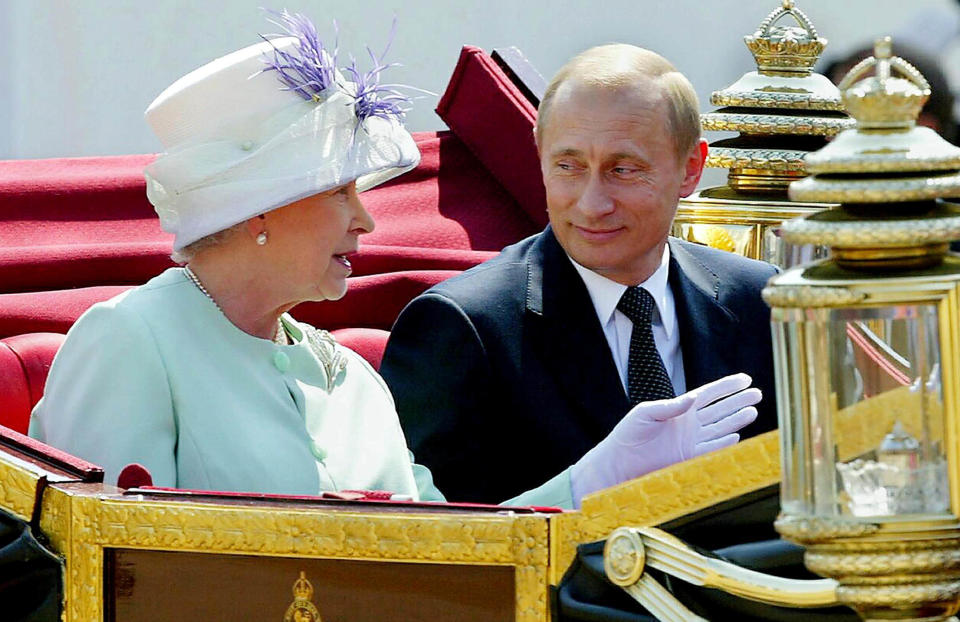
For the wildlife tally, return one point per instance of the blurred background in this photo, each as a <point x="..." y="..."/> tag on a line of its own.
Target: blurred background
<point x="76" y="75"/>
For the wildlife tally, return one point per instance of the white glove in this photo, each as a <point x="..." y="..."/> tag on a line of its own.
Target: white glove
<point x="657" y="434"/>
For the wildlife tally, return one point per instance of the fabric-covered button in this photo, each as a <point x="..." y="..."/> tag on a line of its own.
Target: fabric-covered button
<point x="281" y="361"/>
<point x="318" y="452"/>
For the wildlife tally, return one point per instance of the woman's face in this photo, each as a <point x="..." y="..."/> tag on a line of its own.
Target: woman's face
<point x="313" y="238"/>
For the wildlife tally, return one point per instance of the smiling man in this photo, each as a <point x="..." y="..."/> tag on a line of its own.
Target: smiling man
<point x="525" y="365"/>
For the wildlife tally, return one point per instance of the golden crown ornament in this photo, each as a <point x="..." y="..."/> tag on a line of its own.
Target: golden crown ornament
<point x="786" y="49"/>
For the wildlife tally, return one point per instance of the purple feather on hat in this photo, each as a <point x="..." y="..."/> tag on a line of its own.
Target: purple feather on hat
<point x="311" y="69"/>
<point x="375" y="99"/>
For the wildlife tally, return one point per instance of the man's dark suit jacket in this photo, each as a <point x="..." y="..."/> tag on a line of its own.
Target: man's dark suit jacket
<point x="503" y="378"/>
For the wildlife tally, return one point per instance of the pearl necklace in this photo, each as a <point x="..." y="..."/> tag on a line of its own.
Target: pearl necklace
<point x="280" y="338"/>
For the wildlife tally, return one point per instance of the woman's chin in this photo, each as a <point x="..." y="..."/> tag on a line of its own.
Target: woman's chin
<point x="332" y="291"/>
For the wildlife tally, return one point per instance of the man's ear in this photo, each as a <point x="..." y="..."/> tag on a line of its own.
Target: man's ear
<point x="693" y="168"/>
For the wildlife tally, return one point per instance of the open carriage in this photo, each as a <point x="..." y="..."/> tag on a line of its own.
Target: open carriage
<point x="77" y="231"/>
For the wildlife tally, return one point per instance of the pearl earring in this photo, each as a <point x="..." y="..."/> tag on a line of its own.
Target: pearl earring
<point x="262" y="238"/>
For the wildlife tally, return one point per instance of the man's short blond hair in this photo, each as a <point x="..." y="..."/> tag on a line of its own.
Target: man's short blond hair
<point x="618" y="65"/>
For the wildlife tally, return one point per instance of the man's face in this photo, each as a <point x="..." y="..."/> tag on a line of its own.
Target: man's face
<point x="613" y="177"/>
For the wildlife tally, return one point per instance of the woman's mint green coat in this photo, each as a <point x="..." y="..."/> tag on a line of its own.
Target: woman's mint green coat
<point x="159" y="376"/>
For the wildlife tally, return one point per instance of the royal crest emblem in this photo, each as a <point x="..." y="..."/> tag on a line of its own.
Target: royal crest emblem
<point x="302" y="608"/>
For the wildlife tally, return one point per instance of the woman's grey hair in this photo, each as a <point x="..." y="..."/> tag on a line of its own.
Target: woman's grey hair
<point x="188" y="252"/>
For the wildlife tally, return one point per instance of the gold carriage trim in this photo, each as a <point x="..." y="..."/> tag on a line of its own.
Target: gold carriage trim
<point x="774" y="124"/>
<point x="814" y="189"/>
<point x="779" y="160"/>
<point x="853" y="234"/>
<point x="782" y="100"/>
<point x="810" y="296"/>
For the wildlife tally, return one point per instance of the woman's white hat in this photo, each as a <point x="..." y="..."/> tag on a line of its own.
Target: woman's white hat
<point x="266" y="126"/>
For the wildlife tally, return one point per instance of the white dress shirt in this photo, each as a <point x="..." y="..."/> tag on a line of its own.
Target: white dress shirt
<point x="617" y="327"/>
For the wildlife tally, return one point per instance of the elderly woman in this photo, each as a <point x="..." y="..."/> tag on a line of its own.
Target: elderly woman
<point x="201" y="375"/>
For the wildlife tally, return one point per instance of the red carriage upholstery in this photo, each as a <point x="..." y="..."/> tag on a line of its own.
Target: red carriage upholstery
<point x="372" y="301"/>
<point x="24" y="363"/>
<point x="86" y="221"/>
<point x="367" y="342"/>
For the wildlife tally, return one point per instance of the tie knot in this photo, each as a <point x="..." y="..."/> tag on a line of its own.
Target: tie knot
<point x="637" y="304"/>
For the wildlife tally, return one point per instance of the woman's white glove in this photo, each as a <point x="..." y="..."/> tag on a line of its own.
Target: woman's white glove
<point x="657" y="434"/>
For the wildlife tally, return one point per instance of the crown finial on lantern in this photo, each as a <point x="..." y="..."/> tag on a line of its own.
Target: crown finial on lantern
<point x="782" y="49"/>
<point x="883" y="101"/>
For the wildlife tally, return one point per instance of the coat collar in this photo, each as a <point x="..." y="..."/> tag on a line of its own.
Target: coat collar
<point x="707" y="326"/>
<point x="572" y="339"/>
<point x="565" y="327"/>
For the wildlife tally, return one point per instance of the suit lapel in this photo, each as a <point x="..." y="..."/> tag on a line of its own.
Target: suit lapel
<point x="563" y="325"/>
<point x="706" y="325"/>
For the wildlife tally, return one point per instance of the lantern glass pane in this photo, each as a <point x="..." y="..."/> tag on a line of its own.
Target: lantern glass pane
<point x="781" y="253"/>
<point x="863" y="422"/>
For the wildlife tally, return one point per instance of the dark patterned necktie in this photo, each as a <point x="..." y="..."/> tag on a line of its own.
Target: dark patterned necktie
<point x="647" y="378"/>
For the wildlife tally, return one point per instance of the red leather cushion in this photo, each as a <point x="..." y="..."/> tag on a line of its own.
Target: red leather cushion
<point x="52" y="311"/>
<point x="24" y="364"/>
<point x="14" y="391"/>
<point x="494" y="119"/>
<point x="449" y="201"/>
<point x="80" y="222"/>
<point x="372" y="301"/>
<point x="367" y="342"/>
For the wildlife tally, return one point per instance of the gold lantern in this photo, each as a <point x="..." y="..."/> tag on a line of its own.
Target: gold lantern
<point x="783" y="111"/>
<point x="866" y="347"/>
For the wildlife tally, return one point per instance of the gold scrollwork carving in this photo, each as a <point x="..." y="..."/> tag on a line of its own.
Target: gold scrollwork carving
<point x="861" y="596"/>
<point x="901" y="189"/>
<point x="896" y="161"/>
<point x="872" y="234"/>
<point x="774" y="124"/>
<point x="896" y="546"/>
<point x="810" y="296"/>
<point x="789" y="101"/>
<point x="623" y="557"/>
<point x="219" y="528"/>
<point x="55" y="519"/>
<point x="519" y="541"/>
<point x="18" y="490"/>
<point x="780" y="160"/>
<point x="84" y="563"/>
<point x="808" y="530"/>
<point x="845" y="562"/>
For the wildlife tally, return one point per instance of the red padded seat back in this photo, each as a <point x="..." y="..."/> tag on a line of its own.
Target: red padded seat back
<point x="82" y="222"/>
<point x="24" y="364"/>
<point x="50" y="311"/>
<point x="372" y="301"/>
<point x="367" y="342"/>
